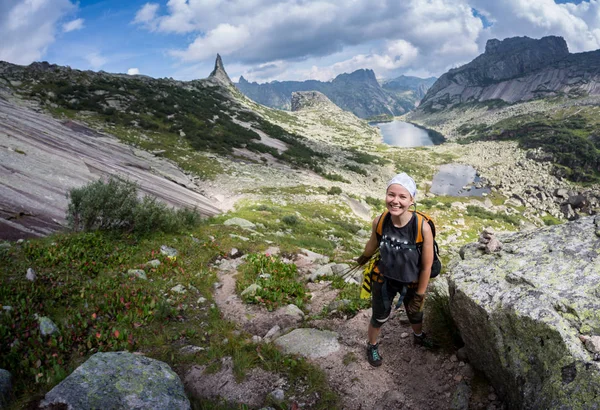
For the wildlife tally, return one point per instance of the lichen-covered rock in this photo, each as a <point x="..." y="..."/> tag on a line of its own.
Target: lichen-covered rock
<point x="521" y="314"/>
<point x="5" y="387"/>
<point x="120" y="380"/>
<point x="47" y="326"/>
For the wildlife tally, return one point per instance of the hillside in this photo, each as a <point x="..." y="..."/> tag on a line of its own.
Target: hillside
<point x="287" y="200"/>
<point x="531" y="91"/>
<point x="358" y="92"/>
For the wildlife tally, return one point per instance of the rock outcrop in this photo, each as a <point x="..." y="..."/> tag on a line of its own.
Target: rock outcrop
<point x="120" y="380"/>
<point x="358" y="92"/>
<point x="309" y="99"/>
<point x="219" y="72"/>
<point x="517" y="69"/>
<point x="523" y="313"/>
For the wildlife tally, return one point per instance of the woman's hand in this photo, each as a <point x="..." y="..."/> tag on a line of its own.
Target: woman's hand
<point x="416" y="304"/>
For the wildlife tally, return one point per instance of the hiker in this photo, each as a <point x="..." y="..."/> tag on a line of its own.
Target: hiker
<point x="401" y="268"/>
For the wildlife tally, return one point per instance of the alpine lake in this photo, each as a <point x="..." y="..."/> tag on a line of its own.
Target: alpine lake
<point x="450" y="179"/>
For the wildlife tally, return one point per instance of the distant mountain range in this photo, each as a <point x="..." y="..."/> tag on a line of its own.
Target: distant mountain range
<point x="358" y="92"/>
<point x="518" y="69"/>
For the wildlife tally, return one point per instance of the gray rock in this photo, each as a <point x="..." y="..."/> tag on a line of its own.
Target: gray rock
<point x="273" y="332"/>
<point x="30" y="275"/>
<point x="320" y="271"/>
<point x="154" y="263"/>
<point x="461" y="397"/>
<point x="520" y="314"/>
<point x="278" y="395"/>
<point x="251" y="290"/>
<point x="120" y="380"/>
<point x="291" y="310"/>
<point x="138" y="273"/>
<point x="592" y="343"/>
<point x="5" y="388"/>
<point x="7" y="308"/>
<point x="169" y="252"/>
<point x="339" y="269"/>
<point x="180" y="289"/>
<point x="191" y="349"/>
<point x="242" y="223"/>
<point x="338" y="304"/>
<point x="47" y="326"/>
<point x="310" y="343"/>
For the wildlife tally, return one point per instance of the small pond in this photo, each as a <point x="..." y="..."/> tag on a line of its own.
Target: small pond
<point x="458" y="180"/>
<point x="403" y="134"/>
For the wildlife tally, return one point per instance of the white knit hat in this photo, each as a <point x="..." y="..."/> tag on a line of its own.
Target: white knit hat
<point x="406" y="181"/>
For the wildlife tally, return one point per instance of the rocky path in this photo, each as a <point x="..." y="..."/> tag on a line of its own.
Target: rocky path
<point x="411" y="377"/>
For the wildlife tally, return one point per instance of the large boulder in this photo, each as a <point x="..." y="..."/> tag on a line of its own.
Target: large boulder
<point x="522" y="313"/>
<point x="120" y="380"/>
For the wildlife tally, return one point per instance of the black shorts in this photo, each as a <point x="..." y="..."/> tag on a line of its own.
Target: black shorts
<point x="382" y="297"/>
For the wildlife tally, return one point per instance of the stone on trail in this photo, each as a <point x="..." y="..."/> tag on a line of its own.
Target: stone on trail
<point x="521" y="315"/>
<point x="180" y="289"/>
<point x="461" y="397"/>
<point x="47" y="326"/>
<point x="30" y="275"/>
<point x="138" y="273"/>
<point x="242" y="223"/>
<point x="391" y="399"/>
<point x="293" y="311"/>
<point x="120" y="380"/>
<point x="310" y="343"/>
<point x="154" y="263"/>
<point x="320" y="271"/>
<point x="168" y="251"/>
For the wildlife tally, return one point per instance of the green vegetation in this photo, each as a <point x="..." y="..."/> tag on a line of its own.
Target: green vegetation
<point x="114" y="205"/>
<point x="334" y="190"/>
<point x="350" y="293"/>
<point x="202" y="114"/>
<point x="335" y="177"/>
<point x="278" y="283"/>
<point x="356" y="168"/>
<point x="482" y="213"/>
<point x="569" y="139"/>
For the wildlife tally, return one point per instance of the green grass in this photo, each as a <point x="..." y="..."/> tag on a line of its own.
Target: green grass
<point x="83" y="287"/>
<point x="278" y="282"/>
<point x="568" y="135"/>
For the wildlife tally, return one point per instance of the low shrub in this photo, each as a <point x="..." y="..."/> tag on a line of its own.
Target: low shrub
<point x="278" y="282"/>
<point x="334" y="190"/>
<point x="114" y="205"/>
<point x="290" y="220"/>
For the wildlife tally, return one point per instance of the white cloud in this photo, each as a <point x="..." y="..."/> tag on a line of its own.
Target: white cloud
<point x="424" y="36"/>
<point x="579" y="24"/>
<point x="27" y="28"/>
<point x="133" y="71"/>
<point x="73" y="25"/>
<point x="254" y="32"/>
<point x="96" y="60"/>
<point x="146" y="15"/>
<point x="224" y="39"/>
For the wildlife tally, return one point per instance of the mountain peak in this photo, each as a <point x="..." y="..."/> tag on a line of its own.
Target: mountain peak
<point x="219" y="72"/>
<point x="362" y="75"/>
<point x="555" y="44"/>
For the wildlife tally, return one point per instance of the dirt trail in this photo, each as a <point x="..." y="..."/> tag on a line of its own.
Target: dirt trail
<point x="411" y="377"/>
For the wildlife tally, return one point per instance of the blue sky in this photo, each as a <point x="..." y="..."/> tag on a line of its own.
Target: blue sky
<point x="268" y="40"/>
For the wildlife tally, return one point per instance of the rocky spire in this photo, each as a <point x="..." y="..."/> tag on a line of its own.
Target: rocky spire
<point x="219" y="72"/>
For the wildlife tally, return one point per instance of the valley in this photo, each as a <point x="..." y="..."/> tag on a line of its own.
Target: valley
<point x="287" y="194"/>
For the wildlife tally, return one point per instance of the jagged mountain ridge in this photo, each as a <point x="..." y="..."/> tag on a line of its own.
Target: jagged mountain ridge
<point x="518" y="69"/>
<point x="358" y="92"/>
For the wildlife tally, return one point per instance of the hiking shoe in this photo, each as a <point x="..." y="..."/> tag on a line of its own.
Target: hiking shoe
<point x="424" y="341"/>
<point x="373" y="355"/>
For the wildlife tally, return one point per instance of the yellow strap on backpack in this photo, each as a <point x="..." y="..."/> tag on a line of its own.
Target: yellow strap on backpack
<point x="365" y="289"/>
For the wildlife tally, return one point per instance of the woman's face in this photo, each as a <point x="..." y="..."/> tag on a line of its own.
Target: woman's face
<point x="397" y="199"/>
